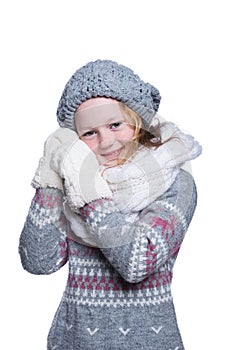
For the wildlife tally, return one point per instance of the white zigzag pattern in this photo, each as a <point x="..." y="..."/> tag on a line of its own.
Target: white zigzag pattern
<point x="162" y="252"/>
<point x="177" y="211"/>
<point x="100" y="297"/>
<point x="74" y="261"/>
<point x="138" y="246"/>
<point x="117" y="302"/>
<point x="41" y="216"/>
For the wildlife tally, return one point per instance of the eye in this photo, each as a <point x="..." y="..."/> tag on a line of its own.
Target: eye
<point x="115" y="125"/>
<point x="89" y="133"/>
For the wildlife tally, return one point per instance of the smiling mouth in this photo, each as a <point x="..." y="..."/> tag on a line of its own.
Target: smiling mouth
<point x="113" y="155"/>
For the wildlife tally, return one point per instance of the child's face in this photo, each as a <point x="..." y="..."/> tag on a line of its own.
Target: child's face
<point x="100" y="124"/>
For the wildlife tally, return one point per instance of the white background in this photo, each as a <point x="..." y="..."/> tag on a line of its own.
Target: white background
<point x="185" y="49"/>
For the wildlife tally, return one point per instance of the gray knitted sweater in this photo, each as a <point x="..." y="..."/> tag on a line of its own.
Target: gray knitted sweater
<point x="117" y="296"/>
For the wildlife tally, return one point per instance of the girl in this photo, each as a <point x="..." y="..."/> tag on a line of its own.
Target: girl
<point x="113" y="200"/>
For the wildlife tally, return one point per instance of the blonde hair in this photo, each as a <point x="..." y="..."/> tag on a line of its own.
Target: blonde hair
<point x="141" y="135"/>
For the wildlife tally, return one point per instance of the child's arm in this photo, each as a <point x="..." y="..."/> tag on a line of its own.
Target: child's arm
<point x="138" y="249"/>
<point x="43" y="245"/>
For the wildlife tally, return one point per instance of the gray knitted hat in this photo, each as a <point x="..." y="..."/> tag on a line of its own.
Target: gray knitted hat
<point x="104" y="78"/>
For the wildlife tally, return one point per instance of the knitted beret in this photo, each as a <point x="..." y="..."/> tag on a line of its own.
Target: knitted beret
<point x="105" y="78"/>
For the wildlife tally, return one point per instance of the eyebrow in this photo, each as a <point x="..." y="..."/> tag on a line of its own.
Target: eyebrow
<point x="108" y="121"/>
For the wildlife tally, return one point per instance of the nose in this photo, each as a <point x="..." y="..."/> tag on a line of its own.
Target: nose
<point x="106" y="139"/>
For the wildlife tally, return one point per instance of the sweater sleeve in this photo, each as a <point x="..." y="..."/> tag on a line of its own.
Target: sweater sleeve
<point x="139" y="248"/>
<point x="43" y="241"/>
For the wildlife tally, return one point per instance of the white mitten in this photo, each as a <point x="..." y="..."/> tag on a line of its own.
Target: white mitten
<point x="45" y="175"/>
<point x="180" y="147"/>
<point x="69" y="165"/>
<point x="80" y="170"/>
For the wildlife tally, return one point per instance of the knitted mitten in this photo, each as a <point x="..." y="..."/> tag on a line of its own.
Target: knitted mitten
<point x="69" y="165"/>
<point x="80" y="171"/>
<point x="45" y="175"/>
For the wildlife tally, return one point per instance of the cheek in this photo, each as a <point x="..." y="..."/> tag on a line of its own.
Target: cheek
<point x="92" y="144"/>
<point x="127" y="134"/>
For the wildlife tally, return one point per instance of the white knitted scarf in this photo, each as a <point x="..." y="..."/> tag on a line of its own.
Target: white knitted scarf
<point x="143" y="178"/>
